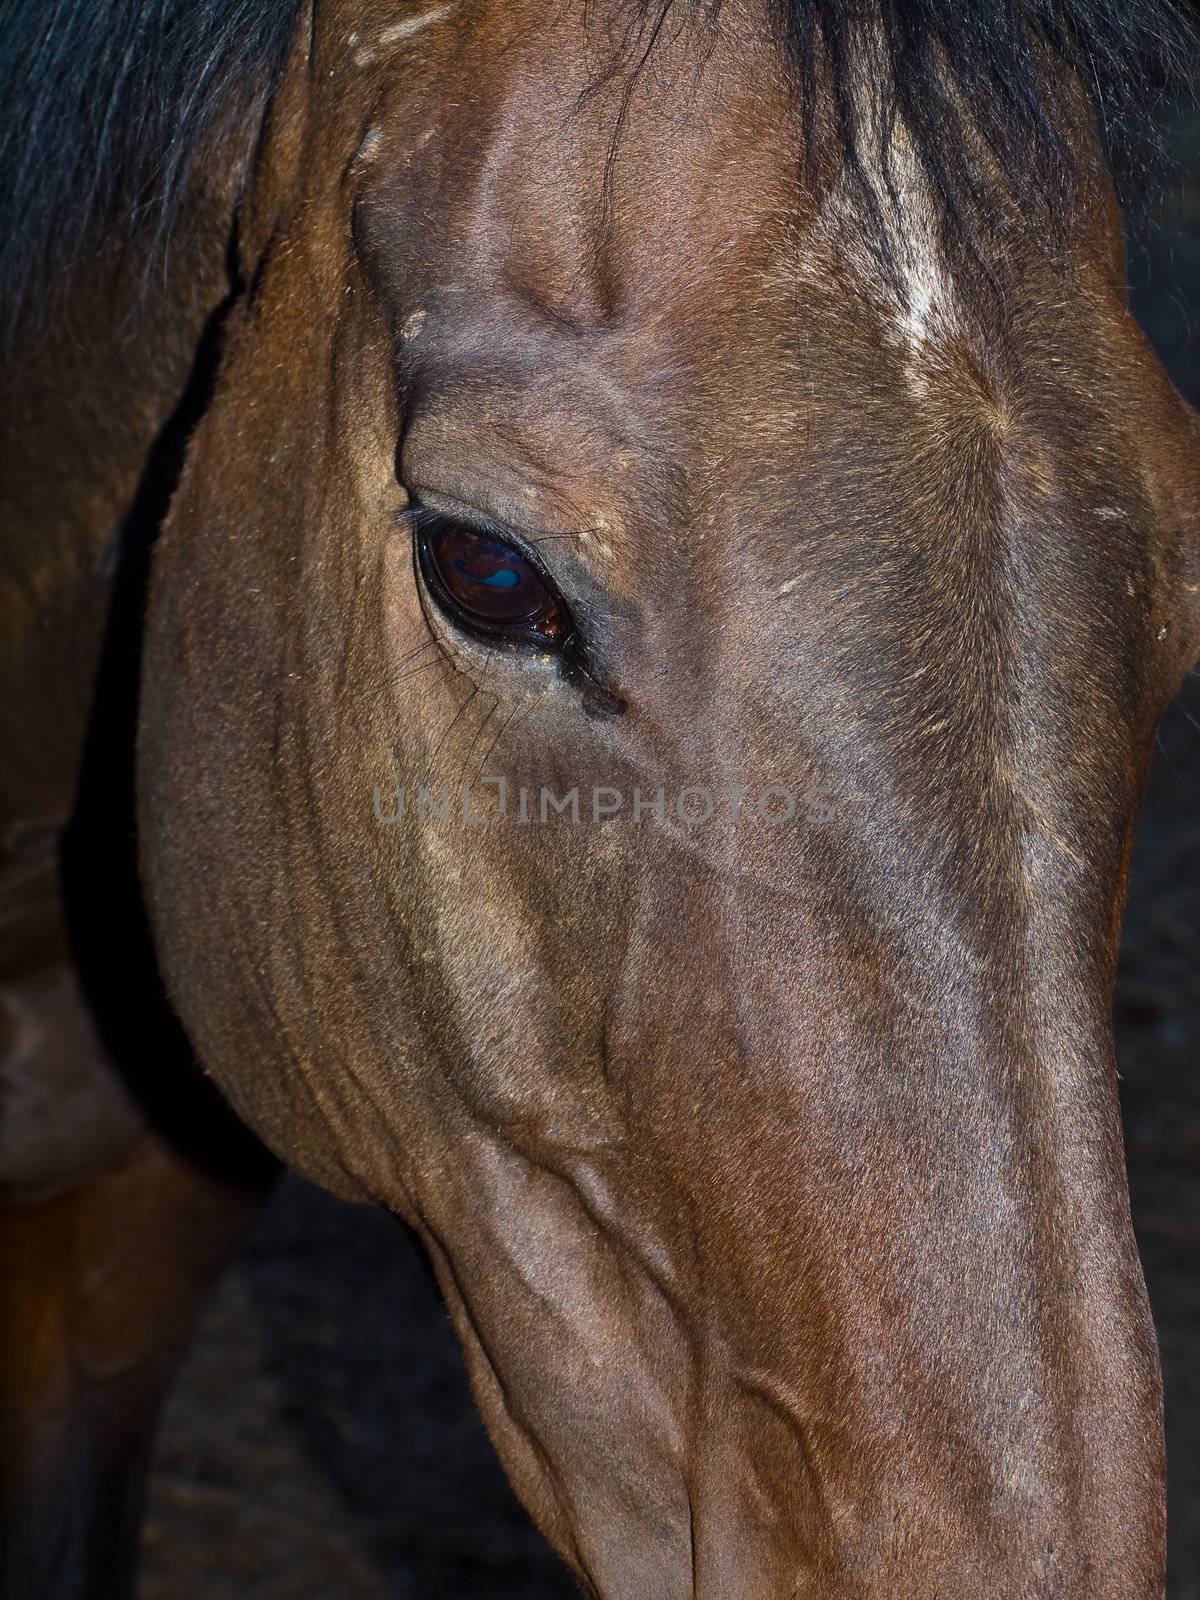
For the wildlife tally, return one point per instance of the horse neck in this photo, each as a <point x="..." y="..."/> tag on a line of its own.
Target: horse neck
<point x="102" y="383"/>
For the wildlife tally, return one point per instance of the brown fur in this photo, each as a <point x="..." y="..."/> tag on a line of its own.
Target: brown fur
<point x="773" y="1176"/>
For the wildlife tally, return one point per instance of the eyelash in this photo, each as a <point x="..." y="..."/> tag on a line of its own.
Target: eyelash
<point x="421" y="517"/>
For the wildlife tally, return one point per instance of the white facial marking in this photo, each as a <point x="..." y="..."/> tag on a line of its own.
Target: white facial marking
<point x="922" y="294"/>
<point x="411" y="25"/>
<point x="364" y="54"/>
<point x="924" y="315"/>
<point x="922" y="282"/>
<point x="370" y="145"/>
<point x="593" y="534"/>
<point x="413" y="325"/>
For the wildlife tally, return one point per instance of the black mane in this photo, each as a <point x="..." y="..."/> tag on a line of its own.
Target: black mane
<point x="105" y="105"/>
<point x="943" y="63"/>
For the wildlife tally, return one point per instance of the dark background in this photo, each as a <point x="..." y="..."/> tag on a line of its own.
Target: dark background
<point x="322" y="1444"/>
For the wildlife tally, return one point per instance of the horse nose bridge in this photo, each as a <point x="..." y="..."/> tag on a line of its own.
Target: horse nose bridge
<point x="849" y="1244"/>
<point x="886" y="1144"/>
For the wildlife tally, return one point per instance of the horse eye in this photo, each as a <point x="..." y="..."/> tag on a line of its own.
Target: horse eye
<point x="487" y="585"/>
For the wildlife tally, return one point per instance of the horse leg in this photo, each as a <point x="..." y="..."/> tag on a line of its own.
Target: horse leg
<point x="102" y="1288"/>
<point x="109" y="1240"/>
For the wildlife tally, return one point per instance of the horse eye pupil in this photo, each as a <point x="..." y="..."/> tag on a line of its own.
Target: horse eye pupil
<point x="506" y="578"/>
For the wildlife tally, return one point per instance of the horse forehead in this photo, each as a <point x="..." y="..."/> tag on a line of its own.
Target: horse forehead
<point x="539" y="154"/>
<point x="527" y="185"/>
<point x="514" y="206"/>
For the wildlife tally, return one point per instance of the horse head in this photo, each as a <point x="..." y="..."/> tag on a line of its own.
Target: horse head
<point x="651" y="671"/>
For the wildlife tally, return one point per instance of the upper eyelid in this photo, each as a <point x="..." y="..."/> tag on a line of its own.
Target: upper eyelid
<point x="437" y="502"/>
<point x="420" y="515"/>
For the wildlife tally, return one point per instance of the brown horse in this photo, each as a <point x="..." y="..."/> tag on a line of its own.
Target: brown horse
<point x="673" y="551"/>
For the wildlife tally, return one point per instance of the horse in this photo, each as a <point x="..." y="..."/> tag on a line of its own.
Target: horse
<point x="588" y="590"/>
